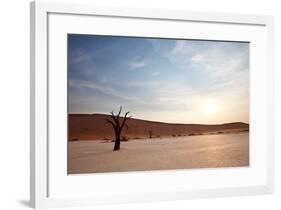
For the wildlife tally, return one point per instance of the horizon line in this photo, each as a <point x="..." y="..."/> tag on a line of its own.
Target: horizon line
<point x="161" y="121"/>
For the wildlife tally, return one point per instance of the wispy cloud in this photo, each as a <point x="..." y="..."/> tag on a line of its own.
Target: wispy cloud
<point x="87" y="84"/>
<point x="155" y="73"/>
<point x="104" y="89"/>
<point x="181" y="48"/>
<point x="198" y="58"/>
<point x="80" y="56"/>
<point x="220" y="61"/>
<point x="136" y="64"/>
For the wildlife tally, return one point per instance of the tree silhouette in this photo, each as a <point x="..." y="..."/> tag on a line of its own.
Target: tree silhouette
<point x="118" y="125"/>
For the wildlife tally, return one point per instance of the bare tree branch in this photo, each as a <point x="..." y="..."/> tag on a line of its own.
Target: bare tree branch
<point x="110" y="122"/>
<point x="113" y="116"/>
<point x="125" y="119"/>
<point x="116" y="118"/>
<point x="120" y="110"/>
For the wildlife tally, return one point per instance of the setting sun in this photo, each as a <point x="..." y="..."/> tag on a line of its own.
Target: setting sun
<point x="209" y="107"/>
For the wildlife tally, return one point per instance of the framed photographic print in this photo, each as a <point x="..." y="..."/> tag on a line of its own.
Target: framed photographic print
<point x="132" y="105"/>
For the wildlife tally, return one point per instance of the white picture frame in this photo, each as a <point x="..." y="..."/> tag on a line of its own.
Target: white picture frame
<point x="46" y="16"/>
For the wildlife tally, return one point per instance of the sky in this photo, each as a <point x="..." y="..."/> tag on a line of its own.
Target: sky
<point x="167" y="80"/>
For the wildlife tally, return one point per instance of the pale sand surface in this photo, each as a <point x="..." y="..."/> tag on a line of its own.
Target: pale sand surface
<point x="206" y="151"/>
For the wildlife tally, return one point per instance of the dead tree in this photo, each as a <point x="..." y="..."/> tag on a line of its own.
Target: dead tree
<point x="118" y="125"/>
<point x="150" y="134"/>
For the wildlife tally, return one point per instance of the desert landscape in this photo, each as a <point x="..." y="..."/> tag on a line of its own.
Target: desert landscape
<point x="148" y="145"/>
<point x="151" y="103"/>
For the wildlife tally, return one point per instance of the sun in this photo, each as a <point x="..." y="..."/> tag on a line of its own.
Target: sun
<point x="209" y="107"/>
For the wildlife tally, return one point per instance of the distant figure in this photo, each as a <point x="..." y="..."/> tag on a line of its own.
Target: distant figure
<point x="117" y="125"/>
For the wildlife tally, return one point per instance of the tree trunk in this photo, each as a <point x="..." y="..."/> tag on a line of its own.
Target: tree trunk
<point x="117" y="141"/>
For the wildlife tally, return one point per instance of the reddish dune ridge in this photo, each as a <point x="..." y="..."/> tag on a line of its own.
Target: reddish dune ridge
<point x="94" y="127"/>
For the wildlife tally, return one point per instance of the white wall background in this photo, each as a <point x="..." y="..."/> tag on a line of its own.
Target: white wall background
<point x="14" y="105"/>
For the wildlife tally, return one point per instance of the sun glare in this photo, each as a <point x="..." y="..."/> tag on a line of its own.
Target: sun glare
<point x="209" y="107"/>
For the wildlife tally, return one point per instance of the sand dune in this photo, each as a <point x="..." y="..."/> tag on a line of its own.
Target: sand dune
<point x="94" y="127"/>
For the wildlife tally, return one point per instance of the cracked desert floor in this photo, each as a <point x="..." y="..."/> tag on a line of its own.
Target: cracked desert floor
<point x="189" y="152"/>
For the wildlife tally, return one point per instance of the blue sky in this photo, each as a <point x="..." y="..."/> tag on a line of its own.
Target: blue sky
<point x="181" y="81"/>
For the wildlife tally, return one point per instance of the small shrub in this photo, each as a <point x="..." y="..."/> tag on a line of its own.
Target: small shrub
<point x="74" y="139"/>
<point x="124" y="138"/>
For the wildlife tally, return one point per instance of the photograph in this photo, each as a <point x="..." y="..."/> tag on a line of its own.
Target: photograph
<point x="152" y="103"/>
